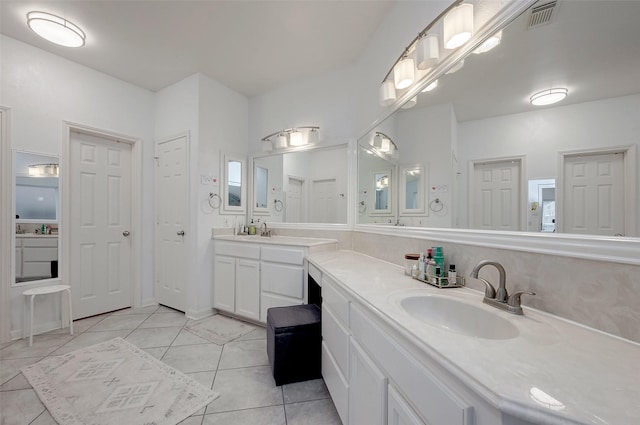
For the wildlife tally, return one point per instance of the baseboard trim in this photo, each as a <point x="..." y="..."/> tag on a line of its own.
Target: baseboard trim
<point x="199" y="314"/>
<point x="37" y="329"/>
<point x="148" y="302"/>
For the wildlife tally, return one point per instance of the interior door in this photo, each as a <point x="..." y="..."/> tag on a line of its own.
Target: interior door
<point x="593" y="194"/>
<point x="295" y="201"/>
<point x="171" y="222"/>
<point x="495" y="195"/>
<point x="324" y="207"/>
<point x="100" y="224"/>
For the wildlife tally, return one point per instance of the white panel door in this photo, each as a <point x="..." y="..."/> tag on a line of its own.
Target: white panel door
<point x="593" y="194"/>
<point x="495" y="196"/>
<point x="295" y="201"/>
<point x="324" y="205"/>
<point x="100" y="224"/>
<point x="171" y="222"/>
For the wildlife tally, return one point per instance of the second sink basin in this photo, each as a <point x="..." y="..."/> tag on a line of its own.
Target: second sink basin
<point x="458" y="316"/>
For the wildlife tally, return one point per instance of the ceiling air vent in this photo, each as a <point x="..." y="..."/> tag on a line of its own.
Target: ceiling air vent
<point x="542" y="14"/>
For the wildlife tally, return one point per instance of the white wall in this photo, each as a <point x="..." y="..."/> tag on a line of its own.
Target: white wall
<point x="540" y="135"/>
<point x="43" y="90"/>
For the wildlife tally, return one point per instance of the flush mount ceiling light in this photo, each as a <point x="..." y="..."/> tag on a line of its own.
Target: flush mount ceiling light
<point x="458" y="26"/>
<point x="294" y="137"/>
<point x="404" y="73"/>
<point x="56" y="29"/>
<point x="548" y="97"/>
<point x="430" y="87"/>
<point x="387" y="93"/>
<point x="489" y="43"/>
<point x="427" y="52"/>
<point x="43" y="170"/>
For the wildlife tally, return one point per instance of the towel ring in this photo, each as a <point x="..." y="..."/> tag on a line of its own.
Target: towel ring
<point x="277" y="205"/>
<point x="214" y="200"/>
<point x="436" y="205"/>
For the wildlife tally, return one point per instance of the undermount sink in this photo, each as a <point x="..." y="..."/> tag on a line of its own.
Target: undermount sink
<point x="459" y="317"/>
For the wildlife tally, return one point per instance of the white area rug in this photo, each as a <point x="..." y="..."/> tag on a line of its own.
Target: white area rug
<point x="116" y="383"/>
<point x="219" y="329"/>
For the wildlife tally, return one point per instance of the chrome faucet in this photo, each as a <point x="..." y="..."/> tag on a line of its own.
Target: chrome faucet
<point x="500" y="298"/>
<point x="264" y="231"/>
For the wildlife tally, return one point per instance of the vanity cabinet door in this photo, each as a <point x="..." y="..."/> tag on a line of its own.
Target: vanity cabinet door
<point x="248" y="288"/>
<point x="399" y="412"/>
<point x="367" y="389"/>
<point x="224" y="287"/>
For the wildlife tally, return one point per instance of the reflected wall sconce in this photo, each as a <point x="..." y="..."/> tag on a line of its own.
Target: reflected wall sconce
<point x="410" y="103"/>
<point x="404" y="73"/>
<point x="383" y="144"/>
<point x="458" y="26"/>
<point x="387" y="93"/>
<point x="427" y="52"/>
<point x="430" y="87"/>
<point x="56" y="29"/>
<point x="291" y="137"/>
<point x="549" y="96"/>
<point x="43" y="170"/>
<point x="489" y="43"/>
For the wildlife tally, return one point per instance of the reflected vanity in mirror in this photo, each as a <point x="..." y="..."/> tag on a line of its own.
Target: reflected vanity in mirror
<point x="485" y="143"/>
<point x="234" y="185"/>
<point x="37" y="216"/>
<point x="302" y="186"/>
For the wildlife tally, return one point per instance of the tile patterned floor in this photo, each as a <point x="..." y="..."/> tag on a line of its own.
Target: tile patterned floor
<point x="238" y="370"/>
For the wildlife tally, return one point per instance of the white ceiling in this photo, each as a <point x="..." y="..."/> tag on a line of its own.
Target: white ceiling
<point x="250" y="46"/>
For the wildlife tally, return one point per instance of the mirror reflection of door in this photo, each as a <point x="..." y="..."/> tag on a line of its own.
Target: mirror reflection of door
<point x="324" y="201"/>
<point x="234" y="183"/>
<point x="295" y="200"/>
<point x="37" y="215"/>
<point x="542" y="206"/>
<point x="262" y="189"/>
<point x="412" y="180"/>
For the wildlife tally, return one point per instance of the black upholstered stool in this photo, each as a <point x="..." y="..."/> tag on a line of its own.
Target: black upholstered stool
<point x="294" y="343"/>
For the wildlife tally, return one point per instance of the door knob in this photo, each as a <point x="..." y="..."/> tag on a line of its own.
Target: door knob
<point x="181" y="233"/>
<point x="126" y="233"/>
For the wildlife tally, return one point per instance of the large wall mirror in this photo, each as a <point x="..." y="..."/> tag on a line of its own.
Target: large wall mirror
<point x="302" y="186"/>
<point x="497" y="162"/>
<point x="37" y="216"/>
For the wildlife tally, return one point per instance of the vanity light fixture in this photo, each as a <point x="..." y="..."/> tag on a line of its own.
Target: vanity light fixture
<point x="430" y="87"/>
<point x="387" y="93"/>
<point x="267" y="145"/>
<point x="56" y="29"/>
<point x="489" y="43"/>
<point x="404" y="73"/>
<point x="549" y="96"/>
<point x="383" y="144"/>
<point x="427" y="52"/>
<point x="458" y="26"/>
<point x="43" y="170"/>
<point x="291" y="137"/>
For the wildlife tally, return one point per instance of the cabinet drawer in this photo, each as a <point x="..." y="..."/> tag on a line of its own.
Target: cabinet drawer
<point x="39" y="254"/>
<point x="40" y="242"/>
<point x="336" y="337"/>
<point x="238" y="249"/>
<point x="434" y="401"/>
<point x="285" y="255"/>
<point x="336" y="384"/>
<point x="282" y="279"/>
<point x="335" y="300"/>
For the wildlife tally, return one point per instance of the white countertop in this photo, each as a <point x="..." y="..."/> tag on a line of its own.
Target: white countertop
<point x="594" y="375"/>
<point x="34" y="235"/>
<point x="276" y="240"/>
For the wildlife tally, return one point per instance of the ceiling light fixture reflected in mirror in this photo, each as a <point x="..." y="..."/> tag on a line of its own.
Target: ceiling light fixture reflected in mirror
<point x="382" y="144"/>
<point x="43" y="170"/>
<point x="489" y="43"/>
<point x="56" y="29"/>
<point x="458" y="26"/>
<point x="430" y="87"/>
<point x="549" y="97"/>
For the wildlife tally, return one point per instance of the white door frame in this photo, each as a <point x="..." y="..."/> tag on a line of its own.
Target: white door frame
<point x="136" y="201"/>
<point x="630" y="178"/>
<point x="522" y="204"/>
<point x="6" y="233"/>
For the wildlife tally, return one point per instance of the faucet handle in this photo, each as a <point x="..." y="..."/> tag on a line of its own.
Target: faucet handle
<point x="514" y="299"/>
<point x="489" y="290"/>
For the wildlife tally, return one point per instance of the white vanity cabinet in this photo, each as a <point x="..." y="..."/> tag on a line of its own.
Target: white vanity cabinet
<point x="237" y="279"/>
<point x="253" y="274"/>
<point x="34" y="255"/>
<point x="360" y="360"/>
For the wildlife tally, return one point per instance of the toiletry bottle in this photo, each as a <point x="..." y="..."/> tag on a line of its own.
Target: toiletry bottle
<point x="439" y="259"/>
<point x="421" y="266"/>
<point x="431" y="264"/>
<point x="452" y="274"/>
<point x="252" y="228"/>
<point x="435" y="278"/>
<point x="42" y="231"/>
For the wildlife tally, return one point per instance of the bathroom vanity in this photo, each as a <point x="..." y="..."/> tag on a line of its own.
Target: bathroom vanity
<point x="35" y="255"/>
<point x="254" y="273"/>
<point x="399" y="352"/>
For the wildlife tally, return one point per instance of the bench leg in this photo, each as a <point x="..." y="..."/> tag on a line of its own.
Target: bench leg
<point x="31" y="320"/>
<point x="70" y="315"/>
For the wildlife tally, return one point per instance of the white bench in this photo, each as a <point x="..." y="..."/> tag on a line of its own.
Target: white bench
<point x="43" y="290"/>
